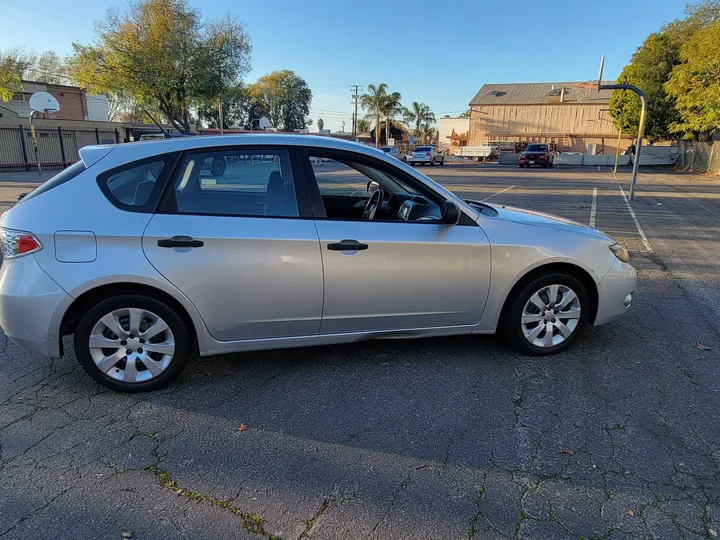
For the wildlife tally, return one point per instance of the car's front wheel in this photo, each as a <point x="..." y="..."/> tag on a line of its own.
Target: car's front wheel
<point x="547" y="315"/>
<point x="132" y="343"/>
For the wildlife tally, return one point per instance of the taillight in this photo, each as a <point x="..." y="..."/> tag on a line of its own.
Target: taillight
<point x="428" y="154"/>
<point x="17" y="243"/>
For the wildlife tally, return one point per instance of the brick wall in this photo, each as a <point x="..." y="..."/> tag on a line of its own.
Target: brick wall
<point x="73" y="105"/>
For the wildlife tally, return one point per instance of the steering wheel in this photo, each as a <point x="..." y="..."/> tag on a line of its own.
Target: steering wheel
<point x="374" y="202"/>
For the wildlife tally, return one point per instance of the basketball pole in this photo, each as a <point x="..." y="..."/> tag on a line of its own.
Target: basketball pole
<point x="641" y="126"/>
<point x="35" y="142"/>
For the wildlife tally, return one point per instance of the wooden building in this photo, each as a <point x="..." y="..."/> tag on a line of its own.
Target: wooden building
<point x="572" y="118"/>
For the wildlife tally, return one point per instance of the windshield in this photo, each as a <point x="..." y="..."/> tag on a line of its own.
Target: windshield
<point x="537" y="148"/>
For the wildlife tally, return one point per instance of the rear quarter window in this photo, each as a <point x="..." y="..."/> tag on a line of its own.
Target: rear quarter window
<point x="137" y="186"/>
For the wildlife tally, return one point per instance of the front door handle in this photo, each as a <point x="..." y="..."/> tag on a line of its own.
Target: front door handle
<point x="180" y="241"/>
<point x="347" y="245"/>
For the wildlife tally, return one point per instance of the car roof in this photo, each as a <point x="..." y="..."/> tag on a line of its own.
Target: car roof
<point x="140" y="150"/>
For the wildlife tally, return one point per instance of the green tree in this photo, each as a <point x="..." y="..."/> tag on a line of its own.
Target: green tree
<point x="362" y="126"/>
<point x="417" y="115"/>
<point x="285" y="97"/>
<point x="665" y="67"/>
<point x="391" y="108"/>
<point x="649" y="69"/>
<point x="163" y="55"/>
<point x="374" y="103"/>
<point x="427" y="134"/>
<point x="694" y="84"/>
<point x="320" y="124"/>
<point x="236" y="104"/>
<point x="48" y="68"/>
<point x="13" y="64"/>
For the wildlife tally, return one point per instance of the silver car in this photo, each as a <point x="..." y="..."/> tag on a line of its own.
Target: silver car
<point x="426" y="155"/>
<point x="394" y="152"/>
<point x="238" y="243"/>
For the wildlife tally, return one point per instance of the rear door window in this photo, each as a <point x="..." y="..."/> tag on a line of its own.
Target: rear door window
<point x="236" y="183"/>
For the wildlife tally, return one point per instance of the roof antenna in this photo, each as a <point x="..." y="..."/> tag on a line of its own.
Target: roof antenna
<point x="167" y="135"/>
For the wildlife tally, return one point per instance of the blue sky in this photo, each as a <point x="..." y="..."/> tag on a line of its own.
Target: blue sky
<point x="440" y="53"/>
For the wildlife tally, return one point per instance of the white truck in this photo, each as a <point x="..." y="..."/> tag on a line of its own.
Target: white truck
<point x="480" y="152"/>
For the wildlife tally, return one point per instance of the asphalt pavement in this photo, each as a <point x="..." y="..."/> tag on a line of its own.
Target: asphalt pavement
<point x="449" y="438"/>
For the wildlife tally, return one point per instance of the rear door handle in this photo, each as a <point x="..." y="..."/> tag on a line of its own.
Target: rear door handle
<point x="347" y="245"/>
<point x="180" y="241"/>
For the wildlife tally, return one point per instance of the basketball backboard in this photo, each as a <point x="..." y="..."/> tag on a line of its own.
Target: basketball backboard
<point x="44" y="102"/>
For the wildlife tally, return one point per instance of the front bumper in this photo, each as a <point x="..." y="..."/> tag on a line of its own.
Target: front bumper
<point x="29" y="299"/>
<point x="615" y="292"/>
<point x="542" y="160"/>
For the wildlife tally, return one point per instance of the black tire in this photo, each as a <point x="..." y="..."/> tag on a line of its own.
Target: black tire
<point x="512" y="316"/>
<point x="432" y="162"/>
<point x="442" y="161"/>
<point x="179" y="329"/>
<point x="521" y="165"/>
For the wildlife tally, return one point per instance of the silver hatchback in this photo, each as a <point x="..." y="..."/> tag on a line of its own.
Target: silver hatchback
<point x="238" y="243"/>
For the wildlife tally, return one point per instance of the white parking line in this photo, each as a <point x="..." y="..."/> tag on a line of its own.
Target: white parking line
<point x="635" y="219"/>
<point x="499" y="192"/>
<point x="593" y="208"/>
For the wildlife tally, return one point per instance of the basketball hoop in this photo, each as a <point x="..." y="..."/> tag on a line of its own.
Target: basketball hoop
<point x="46" y="103"/>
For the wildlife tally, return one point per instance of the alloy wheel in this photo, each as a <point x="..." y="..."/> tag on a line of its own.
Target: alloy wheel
<point x="131" y="345"/>
<point x="550" y="316"/>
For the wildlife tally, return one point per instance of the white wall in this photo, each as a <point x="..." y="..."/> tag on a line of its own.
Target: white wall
<point x="97" y="107"/>
<point x="460" y="125"/>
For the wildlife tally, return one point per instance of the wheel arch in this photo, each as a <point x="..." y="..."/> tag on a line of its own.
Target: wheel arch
<point x="91" y="296"/>
<point x="573" y="269"/>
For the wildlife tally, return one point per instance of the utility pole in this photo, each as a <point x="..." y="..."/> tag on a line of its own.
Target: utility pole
<point x="357" y="88"/>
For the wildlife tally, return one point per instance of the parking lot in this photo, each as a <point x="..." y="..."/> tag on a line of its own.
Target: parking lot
<point x="446" y="439"/>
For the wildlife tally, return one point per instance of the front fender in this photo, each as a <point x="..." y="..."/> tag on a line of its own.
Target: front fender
<point x="518" y="249"/>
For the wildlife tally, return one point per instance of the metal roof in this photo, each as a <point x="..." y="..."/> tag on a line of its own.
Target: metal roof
<point x="537" y="93"/>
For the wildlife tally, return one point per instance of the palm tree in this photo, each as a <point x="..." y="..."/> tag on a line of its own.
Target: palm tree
<point x="363" y="126"/>
<point x="391" y="108"/>
<point x="375" y="102"/>
<point x="420" y="115"/>
<point x="428" y="133"/>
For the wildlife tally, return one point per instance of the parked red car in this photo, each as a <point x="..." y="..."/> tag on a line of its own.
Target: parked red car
<point x="536" y="154"/>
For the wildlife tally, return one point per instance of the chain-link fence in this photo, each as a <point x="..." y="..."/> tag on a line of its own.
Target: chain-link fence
<point x="57" y="147"/>
<point x="700" y="156"/>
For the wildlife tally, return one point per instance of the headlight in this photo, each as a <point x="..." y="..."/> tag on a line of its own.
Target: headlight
<point x="621" y="252"/>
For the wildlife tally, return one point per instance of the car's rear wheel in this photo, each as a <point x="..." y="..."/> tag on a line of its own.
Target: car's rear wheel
<point x="132" y="343"/>
<point x="432" y="162"/>
<point x="547" y="315"/>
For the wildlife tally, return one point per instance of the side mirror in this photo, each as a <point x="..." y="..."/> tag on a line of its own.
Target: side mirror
<point x="451" y="213"/>
<point x="372" y="187"/>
